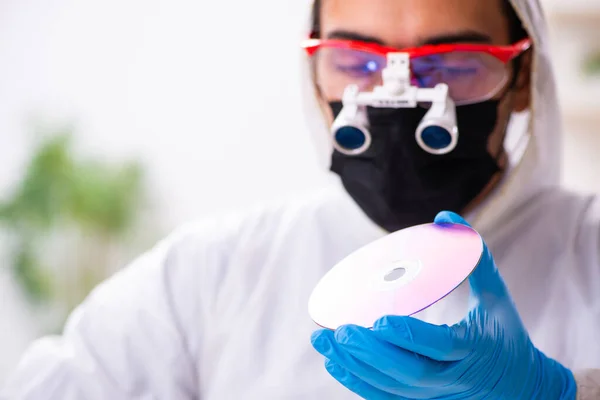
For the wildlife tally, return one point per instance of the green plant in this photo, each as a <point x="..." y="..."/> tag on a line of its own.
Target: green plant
<point x="592" y="64"/>
<point x="95" y="204"/>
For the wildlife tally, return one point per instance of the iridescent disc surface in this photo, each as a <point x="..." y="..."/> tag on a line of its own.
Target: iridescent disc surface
<point x="399" y="274"/>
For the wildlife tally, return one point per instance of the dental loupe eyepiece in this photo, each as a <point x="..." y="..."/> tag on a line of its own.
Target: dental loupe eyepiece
<point x="436" y="134"/>
<point x="350" y="129"/>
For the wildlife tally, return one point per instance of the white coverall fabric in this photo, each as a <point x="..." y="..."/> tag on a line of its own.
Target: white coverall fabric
<point x="219" y="309"/>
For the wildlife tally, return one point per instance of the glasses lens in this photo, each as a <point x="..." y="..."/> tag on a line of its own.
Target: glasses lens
<point x="336" y="68"/>
<point x="471" y="76"/>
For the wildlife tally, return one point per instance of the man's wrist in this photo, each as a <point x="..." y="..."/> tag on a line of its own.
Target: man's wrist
<point x="588" y="384"/>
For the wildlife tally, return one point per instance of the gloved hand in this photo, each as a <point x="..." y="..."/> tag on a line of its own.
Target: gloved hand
<point x="489" y="355"/>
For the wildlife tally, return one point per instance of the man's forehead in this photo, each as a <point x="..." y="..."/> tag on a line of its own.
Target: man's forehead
<point x="406" y="23"/>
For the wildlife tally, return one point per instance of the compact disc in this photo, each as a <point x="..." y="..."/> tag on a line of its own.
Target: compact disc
<point x="400" y="274"/>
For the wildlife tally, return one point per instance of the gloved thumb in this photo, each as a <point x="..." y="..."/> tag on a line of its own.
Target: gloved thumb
<point x="448" y="217"/>
<point x="486" y="283"/>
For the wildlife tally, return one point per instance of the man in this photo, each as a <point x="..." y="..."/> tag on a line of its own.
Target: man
<point x="218" y="310"/>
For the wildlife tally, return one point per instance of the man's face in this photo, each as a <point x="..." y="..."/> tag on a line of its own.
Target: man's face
<point x="413" y="23"/>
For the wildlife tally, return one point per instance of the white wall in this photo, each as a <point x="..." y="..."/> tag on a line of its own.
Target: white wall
<point x="206" y="92"/>
<point x="574" y="31"/>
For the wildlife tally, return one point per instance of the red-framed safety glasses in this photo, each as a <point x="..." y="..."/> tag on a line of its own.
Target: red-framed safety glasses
<point x="473" y="72"/>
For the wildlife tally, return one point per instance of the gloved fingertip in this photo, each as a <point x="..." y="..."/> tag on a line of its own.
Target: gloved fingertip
<point x="343" y="334"/>
<point x="316" y="335"/>
<point x="390" y="321"/>
<point x="332" y="367"/>
<point x="336" y="371"/>
<point x="446" y="217"/>
<point x="320" y="340"/>
<point x="348" y="334"/>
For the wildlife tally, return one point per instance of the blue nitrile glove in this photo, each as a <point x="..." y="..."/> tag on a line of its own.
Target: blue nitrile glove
<point x="489" y="355"/>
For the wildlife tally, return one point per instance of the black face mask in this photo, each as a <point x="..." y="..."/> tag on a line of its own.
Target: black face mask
<point x="398" y="184"/>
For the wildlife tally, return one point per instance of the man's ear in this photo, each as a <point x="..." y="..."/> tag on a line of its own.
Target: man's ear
<point x="522" y="87"/>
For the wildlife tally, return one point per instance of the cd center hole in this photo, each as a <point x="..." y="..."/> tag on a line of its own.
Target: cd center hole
<point x="395" y="274"/>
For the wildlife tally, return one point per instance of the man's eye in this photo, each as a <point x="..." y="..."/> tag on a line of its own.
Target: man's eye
<point x="362" y="69"/>
<point x="446" y="71"/>
<point x="459" y="71"/>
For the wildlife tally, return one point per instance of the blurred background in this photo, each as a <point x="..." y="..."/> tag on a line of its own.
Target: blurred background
<point x="121" y="119"/>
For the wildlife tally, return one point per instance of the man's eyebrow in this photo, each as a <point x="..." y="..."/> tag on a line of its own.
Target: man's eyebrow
<point x="349" y="35"/>
<point x="457" y="37"/>
<point x="466" y="36"/>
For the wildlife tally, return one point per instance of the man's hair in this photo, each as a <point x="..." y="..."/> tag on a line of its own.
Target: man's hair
<point x="516" y="30"/>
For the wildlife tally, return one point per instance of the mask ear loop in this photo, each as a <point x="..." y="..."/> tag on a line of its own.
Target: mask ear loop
<point x="518" y="145"/>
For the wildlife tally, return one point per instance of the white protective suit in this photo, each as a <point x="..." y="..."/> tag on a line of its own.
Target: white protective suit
<point x="219" y="309"/>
